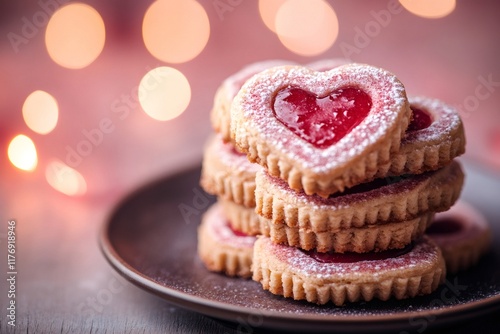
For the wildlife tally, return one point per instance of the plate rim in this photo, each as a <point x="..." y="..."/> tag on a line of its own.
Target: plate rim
<point x="227" y="311"/>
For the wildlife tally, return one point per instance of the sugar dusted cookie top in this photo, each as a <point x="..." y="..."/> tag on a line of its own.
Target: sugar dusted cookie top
<point x="432" y="121"/>
<point x="361" y="111"/>
<point x="413" y="256"/>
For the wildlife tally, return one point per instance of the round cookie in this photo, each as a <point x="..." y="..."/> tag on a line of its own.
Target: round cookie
<point x="241" y="218"/>
<point x="463" y="234"/>
<point x="433" y="139"/>
<point x="228" y="173"/>
<point x="221" y="248"/>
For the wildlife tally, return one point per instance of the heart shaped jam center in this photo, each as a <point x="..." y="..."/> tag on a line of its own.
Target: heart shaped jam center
<point x="321" y="121"/>
<point x="348" y="257"/>
<point x="420" y="120"/>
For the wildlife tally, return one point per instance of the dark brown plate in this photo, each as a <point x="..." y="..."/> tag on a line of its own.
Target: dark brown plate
<point x="150" y="239"/>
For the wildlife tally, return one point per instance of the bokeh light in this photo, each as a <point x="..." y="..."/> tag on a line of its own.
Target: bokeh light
<point x="22" y="153"/>
<point x="431" y="9"/>
<point x="268" y="10"/>
<point x="40" y="112"/>
<point x="75" y="35"/>
<point x="164" y="93"/>
<point x="307" y="27"/>
<point x="65" y="179"/>
<point x="175" y="31"/>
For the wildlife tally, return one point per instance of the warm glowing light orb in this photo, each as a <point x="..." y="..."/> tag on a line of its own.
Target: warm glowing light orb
<point x="65" y="179"/>
<point x="40" y="112"/>
<point x="307" y="27"/>
<point x="268" y="10"/>
<point x="164" y="93"/>
<point x="22" y="153"/>
<point x="75" y="35"/>
<point x="431" y="9"/>
<point x="175" y="31"/>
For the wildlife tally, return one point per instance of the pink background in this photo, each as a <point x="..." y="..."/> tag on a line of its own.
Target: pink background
<point x="59" y="259"/>
<point x="442" y="58"/>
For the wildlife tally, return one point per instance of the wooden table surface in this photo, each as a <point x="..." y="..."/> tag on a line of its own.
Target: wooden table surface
<point x="64" y="284"/>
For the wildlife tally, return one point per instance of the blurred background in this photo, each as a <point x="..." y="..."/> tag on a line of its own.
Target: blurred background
<point x="99" y="97"/>
<point x="72" y="75"/>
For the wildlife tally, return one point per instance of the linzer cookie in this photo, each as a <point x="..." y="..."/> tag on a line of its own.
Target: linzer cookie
<point x="220" y="115"/>
<point x="228" y="173"/>
<point x="382" y="200"/>
<point x="321" y="131"/>
<point x="433" y="139"/>
<point x="417" y="269"/>
<point x="376" y="237"/>
<point x="242" y="218"/>
<point x="221" y="248"/>
<point x="463" y="234"/>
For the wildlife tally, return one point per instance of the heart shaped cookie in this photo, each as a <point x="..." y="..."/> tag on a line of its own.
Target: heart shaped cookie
<point x="221" y="248"/>
<point x="320" y="131"/>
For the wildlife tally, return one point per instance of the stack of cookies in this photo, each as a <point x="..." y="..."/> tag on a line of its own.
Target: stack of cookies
<point x="228" y="229"/>
<point x="349" y="173"/>
<point x="226" y="234"/>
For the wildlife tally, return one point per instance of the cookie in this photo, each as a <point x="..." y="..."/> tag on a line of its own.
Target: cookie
<point x="320" y="131"/>
<point x="228" y="173"/>
<point x="221" y="248"/>
<point x="382" y="200"/>
<point x="376" y="237"/>
<point x="242" y="218"/>
<point x="433" y="139"/>
<point x="340" y="278"/>
<point x="463" y="234"/>
<point x="220" y="115"/>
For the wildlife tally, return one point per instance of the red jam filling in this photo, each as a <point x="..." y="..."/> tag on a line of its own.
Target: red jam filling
<point x="444" y="226"/>
<point x="349" y="257"/>
<point x="236" y="152"/>
<point x="321" y="121"/>
<point x="421" y="120"/>
<point x="236" y="232"/>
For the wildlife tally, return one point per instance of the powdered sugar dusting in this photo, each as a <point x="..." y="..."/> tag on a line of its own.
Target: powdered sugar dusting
<point x="233" y="83"/>
<point x="445" y="121"/>
<point x="221" y="231"/>
<point x="254" y="107"/>
<point x="400" y="185"/>
<point x="424" y="253"/>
